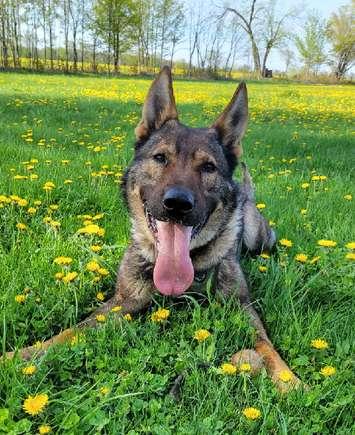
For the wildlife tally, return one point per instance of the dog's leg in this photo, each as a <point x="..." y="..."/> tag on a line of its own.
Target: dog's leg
<point x="257" y="234"/>
<point x="230" y="273"/>
<point x="133" y="293"/>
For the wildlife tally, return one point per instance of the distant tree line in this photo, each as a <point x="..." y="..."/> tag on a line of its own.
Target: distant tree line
<point x="198" y="37"/>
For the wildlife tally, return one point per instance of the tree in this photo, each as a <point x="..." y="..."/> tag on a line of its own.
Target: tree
<point x="311" y="46"/>
<point x="341" y="34"/>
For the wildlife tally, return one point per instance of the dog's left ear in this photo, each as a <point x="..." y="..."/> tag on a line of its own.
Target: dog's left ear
<point x="232" y="122"/>
<point x="159" y="105"/>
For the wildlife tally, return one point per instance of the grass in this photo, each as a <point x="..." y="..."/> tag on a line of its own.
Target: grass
<point x="77" y="133"/>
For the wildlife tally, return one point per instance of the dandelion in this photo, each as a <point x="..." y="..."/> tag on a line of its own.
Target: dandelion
<point x="201" y="335"/>
<point x="350" y="245"/>
<point x="116" y="309"/>
<point x="31" y="210"/>
<point x="348" y="197"/>
<point x="228" y="369"/>
<point x="29" y="370"/>
<point x="104" y="391"/>
<point x="100" y="296"/>
<point x="303" y="211"/>
<point x="101" y="318"/>
<point x="260" y="206"/>
<point x="96" y="248"/>
<point x="302" y="258"/>
<point x="327" y="243"/>
<point x="327" y="371"/>
<point x="21" y="226"/>
<point x="245" y="367"/>
<point x="319" y="343"/>
<point x="285" y="242"/>
<point x="265" y="256"/>
<point x="44" y="429"/>
<point x="20" y="299"/>
<point x="48" y="186"/>
<point x="128" y="317"/>
<point x="160" y="315"/>
<point x="305" y="185"/>
<point x="63" y="261"/>
<point x="92" y="229"/>
<point x="103" y="272"/>
<point x="34" y="405"/>
<point x="350" y="256"/>
<point x="314" y="260"/>
<point x="262" y="268"/>
<point x="285" y="376"/>
<point x="251" y="413"/>
<point x="69" y="277"/>
<point x="93" y="266"/>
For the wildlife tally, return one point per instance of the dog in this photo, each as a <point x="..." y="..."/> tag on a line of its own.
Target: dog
<point x="190" y="219"/>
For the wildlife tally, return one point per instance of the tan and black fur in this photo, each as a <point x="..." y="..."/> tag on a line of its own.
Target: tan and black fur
<point x="224" y="216"/>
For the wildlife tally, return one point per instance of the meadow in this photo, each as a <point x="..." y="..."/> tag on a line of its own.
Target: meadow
<point x="64" y="144"/>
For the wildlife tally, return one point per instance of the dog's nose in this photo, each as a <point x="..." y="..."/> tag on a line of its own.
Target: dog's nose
<point x="178" y="200"/>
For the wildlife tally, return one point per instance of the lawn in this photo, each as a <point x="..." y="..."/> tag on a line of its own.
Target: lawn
<point x="64" y="144"/>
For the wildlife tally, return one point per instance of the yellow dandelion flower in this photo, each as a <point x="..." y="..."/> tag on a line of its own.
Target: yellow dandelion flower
<point x="160" y="315"/>
<point x="285" y="242"/>
<point x="127" y="317"/>
<point x="29" y="370"/>
<point x="305" y="185"/>
<point x="104" y="391"/>
<point x="101" y="318"/>
<point x="34" y="405"/>
<point x="228" y="369"/>
<point x="93" y="266"/>
<point x="350" y="245"/>
<point x="68" y="181"/>
<point x="285" y="375"/>
<point x="327" y="243"/>
<point x="48" y="186"/>
<point x="260" y="206"/>
<point x="201" y="335"/>
<point x="21" y="226"/>
<point x="31" y="210"/>
<point x="348" y="197"/>
<point x="262" y="268"/>
<point x="251" y="413"/>
<point x="116" y="309"/>
<point x="69" y="277"/>
<point x="103" y="272"/>
<point x="44" y="429"/>
<point x="302" y="258"/>
<point x="20" y="299"/>
<point x="63" y="261"/>
<point x="350" y="256"/>
<point x="314" y="259"/>
<point x="96" y="248"/>
<point x="37" y="203"/>
<point x="319" y="343"/>
<point x="303" y="211"/>
<point x="245" y="367"/>
<point x="59" y="275"/>
<point x="265" y="256"/>
<point x="100" y="296"/>
<point x="328" y="371"/>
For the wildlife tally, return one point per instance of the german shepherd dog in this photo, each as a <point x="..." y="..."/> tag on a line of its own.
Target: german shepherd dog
<point x="190" y="219"/>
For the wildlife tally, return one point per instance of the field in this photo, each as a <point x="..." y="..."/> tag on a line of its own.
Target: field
<point x="64" y="143"/>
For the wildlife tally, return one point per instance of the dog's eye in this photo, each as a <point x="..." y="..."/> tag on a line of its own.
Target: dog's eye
<point x="208" y="167"/>
<point x="161" y="158"/>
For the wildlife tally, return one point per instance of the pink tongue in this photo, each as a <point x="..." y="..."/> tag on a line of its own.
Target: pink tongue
<point x="173" y="270"/>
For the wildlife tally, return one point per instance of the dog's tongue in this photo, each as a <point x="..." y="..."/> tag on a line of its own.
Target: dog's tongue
<point x="173" y="270"/>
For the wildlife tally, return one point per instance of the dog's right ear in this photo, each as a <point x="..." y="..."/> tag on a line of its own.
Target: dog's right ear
<point x="159" y="105"/>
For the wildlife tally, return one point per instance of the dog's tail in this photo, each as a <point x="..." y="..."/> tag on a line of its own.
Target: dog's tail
<point x="258" y="236"/>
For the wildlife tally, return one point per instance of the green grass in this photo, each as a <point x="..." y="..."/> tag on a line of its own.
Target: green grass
<point x="295" y="132"/>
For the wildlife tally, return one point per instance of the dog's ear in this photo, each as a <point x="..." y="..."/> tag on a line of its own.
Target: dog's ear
<point x="159" y="105"/>
<point x="232" y="122"/>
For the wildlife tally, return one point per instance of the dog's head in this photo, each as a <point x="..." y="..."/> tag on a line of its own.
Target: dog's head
<point x="179" y="185"/>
